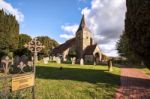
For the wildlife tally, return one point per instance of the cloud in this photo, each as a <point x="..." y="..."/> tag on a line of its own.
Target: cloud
<point x="10" y="9"/>
<point x="69" y="31"/>
<point x="66" y="36"/>
<point x="105" y="18"/>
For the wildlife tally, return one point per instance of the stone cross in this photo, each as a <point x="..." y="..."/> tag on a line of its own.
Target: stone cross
<point x="34" y="46"/>
<point x="6" y="61"/>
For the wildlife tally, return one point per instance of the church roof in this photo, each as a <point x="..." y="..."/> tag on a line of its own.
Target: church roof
<point x="61" y="48"/>
<point x="90" y="49"/>
<point x="83" y="24"/>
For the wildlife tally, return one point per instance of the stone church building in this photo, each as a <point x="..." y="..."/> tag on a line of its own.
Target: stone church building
<point x="81" y="46"/>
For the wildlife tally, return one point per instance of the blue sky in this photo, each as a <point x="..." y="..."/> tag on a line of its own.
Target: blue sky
<point x="46" y="18"/>
<point x="59" y="19"/>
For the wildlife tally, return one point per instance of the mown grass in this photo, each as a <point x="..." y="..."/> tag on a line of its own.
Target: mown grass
<point x="75" y="81"/>
<point x="144" y="69"/>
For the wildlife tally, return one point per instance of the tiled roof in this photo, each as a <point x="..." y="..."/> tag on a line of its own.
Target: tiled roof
<point x="90" y="49"/>
<point x="61" y="48"/>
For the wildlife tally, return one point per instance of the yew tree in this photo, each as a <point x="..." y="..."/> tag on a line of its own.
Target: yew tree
<point x="137" y="28"/>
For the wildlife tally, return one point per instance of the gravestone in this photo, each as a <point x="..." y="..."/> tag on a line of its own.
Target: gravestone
<point x="46" y="59"/>
<point x="110" y="68"/>
<point x="30" y="63"/>
<point x="5" y="61"/>
<point x="94" y="63"/>
<point x="24" y="59"/>
<point x="81" y="61"/>
<point x="16" y="60"/>
<point x="58" y="60"/>
<point x="73" y="60"/>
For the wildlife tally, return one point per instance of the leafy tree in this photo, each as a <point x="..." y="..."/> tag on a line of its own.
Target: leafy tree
<point x="48" y="43"/>
<point x="137" y="25"/>
<point x="23" y="51"/>
<point x="24" y="39"/>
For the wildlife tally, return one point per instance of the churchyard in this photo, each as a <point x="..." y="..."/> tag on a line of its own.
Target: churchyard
<point x="75" y="81"/>
<point x="102" y="59"/>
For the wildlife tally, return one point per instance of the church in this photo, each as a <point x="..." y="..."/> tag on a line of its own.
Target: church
<point x="81" y="46"/>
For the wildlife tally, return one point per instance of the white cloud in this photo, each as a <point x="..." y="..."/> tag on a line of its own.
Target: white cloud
<point x="69" y="30"/>
<point x="66" y="36"/>
<point x="10" y="9"/>
<point x="105" y="18"/>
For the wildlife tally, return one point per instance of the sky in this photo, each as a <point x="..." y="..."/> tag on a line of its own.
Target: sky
<point x="59" y="19"/>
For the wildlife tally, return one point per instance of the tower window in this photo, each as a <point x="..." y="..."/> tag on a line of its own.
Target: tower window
<point x="86" y="37"/>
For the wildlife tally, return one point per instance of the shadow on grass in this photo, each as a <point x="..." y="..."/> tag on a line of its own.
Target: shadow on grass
<point x="87" y="75"/>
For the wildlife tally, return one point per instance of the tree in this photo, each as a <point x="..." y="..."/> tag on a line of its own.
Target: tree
<point x="137" y="25"/>
<point x="124" y="50"/>
<point x="48" y="43"/>
<point x="9" y="31"/>
<point x="24" y="39"/>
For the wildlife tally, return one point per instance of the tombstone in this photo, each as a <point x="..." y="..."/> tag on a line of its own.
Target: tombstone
<point x="81" y="61"/>
<point x="54" y="58"/>
<point x="110" y="68"/>
<point x="21" y="66"/>
<point x="46" y="59"/>
<point x="16" y="60"/>
<point x="30" y="63"/>
<point x="58" y="60"/>
<point x="5" y="61"/>
<point x="73" y="60"/>
<point x="24" y="59"/>
<point x="94" y="63"/>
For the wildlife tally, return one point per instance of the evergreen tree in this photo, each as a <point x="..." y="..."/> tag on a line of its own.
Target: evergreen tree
<point x="9" y="31"/>
<point x="137" y="27"/>
<point x="124" y="50"/>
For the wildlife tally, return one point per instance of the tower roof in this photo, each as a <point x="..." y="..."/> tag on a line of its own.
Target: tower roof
<point x="82" y="23"/>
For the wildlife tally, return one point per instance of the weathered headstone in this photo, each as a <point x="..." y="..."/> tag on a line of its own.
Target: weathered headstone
<point x="58" y="60"/>
<point x="16" y="60"/>
<point x="110" y="68"/>
<point x="81" y="61"/>
<point x="73" y="60"/>
<point x="30" y="63"/>
<point x="24" y="59"/>
<point x="6" y="62"/>
<point x="21" y="66"/>
<point x="94" y="63"/>
<point x="46" y="59"/>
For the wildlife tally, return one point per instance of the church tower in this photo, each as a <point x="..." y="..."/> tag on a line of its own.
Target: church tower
<point x="83" y="38"/>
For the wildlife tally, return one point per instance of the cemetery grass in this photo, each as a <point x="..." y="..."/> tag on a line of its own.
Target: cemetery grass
<point x="75" y="81"/>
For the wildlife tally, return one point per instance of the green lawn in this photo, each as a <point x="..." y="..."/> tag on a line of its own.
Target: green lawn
<point x="144" y="69"/>
<point x="75" y="82"/>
